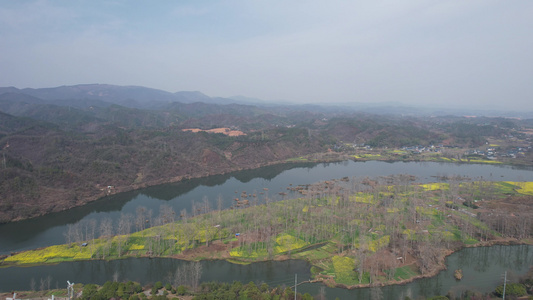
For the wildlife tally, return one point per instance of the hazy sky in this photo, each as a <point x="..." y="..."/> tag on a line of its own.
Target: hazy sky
<point x="423" y="52"/>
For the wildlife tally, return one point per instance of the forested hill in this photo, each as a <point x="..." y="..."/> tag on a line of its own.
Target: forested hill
<point x="62" y="147"/>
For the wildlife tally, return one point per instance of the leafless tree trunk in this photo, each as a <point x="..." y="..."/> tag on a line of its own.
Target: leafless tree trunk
<point x="188" y="274"/>
<point x="361" y="257"/>
<point x="68" y="234"/>
<point x="92" y="232"/>
<point x="140" y="219"/>
<point x="197" y="274"/>
<point x="166" y="214"/>
<point x="124" y="228"/>
<point x="106" y="232"/>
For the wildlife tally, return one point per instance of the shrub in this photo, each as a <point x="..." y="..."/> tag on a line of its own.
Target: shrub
<point x="158" y="285"/>
<point x="89" y="291"/>
<point x="512" y="289"/>
<point x="181" y="290"/>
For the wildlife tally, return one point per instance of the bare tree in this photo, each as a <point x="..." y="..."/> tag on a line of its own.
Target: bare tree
<point x="166" y="214"/>
<point x="68" y="234"/>
<point x="78" y="234"/>
<point x="74" y="234"/>
<point x="361" y="257"/>
<point x="140" y="219"/>
<point x="196" y="275"/>
<point x="124" y="228"/>
<point x="92" y="232"/>
<point x="106" y="232"/>
<point x="188" y="274"/>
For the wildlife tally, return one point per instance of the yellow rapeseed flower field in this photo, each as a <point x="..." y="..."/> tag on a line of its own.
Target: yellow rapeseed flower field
<point x="58" y="252"/>
<point x="136" y="247"/>
<point x="343" y="265"/>
<point x="435" y="186"/>
<point x="286" y="242"/>
<point x="525" y="188"/>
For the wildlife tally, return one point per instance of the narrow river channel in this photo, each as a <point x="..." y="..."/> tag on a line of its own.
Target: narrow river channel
<point x="482" y="271"/>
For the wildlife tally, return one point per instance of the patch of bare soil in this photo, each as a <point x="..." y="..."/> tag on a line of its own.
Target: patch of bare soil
<point x="224" y="130"/>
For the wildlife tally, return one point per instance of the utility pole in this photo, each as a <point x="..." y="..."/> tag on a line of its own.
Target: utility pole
<point x="295" y="284"/>
<point x="504" y="284"/>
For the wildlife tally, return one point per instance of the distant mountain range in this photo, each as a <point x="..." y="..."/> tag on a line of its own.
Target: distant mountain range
<point x="103" y="95"/>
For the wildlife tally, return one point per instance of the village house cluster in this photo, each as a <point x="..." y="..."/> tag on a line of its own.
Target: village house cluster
<point x="493" y="153"/>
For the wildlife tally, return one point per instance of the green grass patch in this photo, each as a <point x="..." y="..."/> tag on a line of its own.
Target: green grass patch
<point x="470" y="241"/>
<point x="405" y="272"/>
<point x="317" y="254"/>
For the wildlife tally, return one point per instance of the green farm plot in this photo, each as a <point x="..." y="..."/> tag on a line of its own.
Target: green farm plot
<point x="317" y="254"/>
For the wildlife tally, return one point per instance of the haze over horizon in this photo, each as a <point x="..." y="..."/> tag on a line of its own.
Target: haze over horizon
<point x="475" y="53"/>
